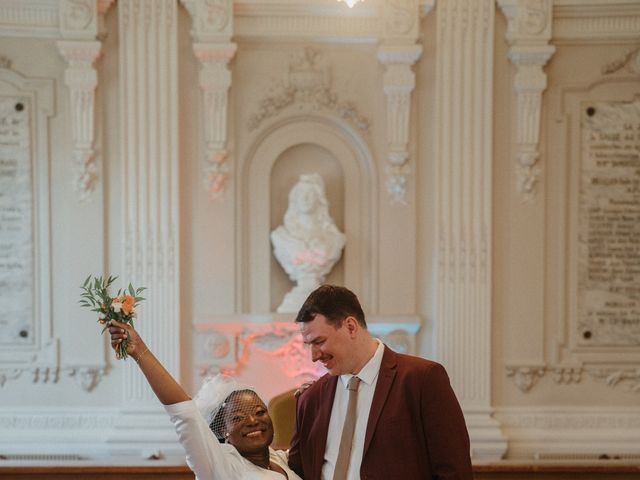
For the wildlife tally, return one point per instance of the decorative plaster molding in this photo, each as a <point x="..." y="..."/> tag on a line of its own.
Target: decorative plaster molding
<point x="612" y="377"/>
<point x="323" y="21"/>
<point x="629" y="62"/>
<point x="277" y="340"/>
<point x="398" y="340"/>
<point x="56" y="421"/>
<point x="217" y="345"/>
<point x="525" y="377"/>
<point x="582" y="418"/>
<point x="9" y="374"/>
<point x="77" y="17"/>
<point x="308" y="86"/>
<point x="211" y="31"/>
<point x="37" y="18"/>
<point x="595" y="22"/>
<point x="567" y="374"/>
<point x="150" y="214"/>
<point x="243" y="344"/>
<point x="463" y="139"/>
<point x="212" y="20"/>
<point x="39" y="352"/>
<point x="571" y="433"/>
<point x="215" y="81"/>
<point x="87" y="377"/>
<point x="401" y="19"/>
<point x="528" y="34"/>
<point x="399" y="81"/>
<point x="81" y="79"/>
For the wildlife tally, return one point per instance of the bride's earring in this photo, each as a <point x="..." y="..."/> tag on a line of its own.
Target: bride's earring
<point x="226" y="437"/>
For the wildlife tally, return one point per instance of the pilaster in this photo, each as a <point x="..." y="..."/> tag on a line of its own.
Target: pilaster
<point x="463" y="152"/>
<point x="149" y="152"/>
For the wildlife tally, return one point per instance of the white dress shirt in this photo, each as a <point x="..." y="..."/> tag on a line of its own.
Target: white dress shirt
<point x="369" y="377"/>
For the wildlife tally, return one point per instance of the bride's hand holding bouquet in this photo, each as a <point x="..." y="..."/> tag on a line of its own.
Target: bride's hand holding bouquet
<point x="121" y="309"/>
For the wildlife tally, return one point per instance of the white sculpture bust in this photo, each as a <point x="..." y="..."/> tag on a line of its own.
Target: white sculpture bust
<point x="308" y="244"/>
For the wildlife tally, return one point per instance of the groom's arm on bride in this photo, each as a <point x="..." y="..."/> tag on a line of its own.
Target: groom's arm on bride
<point x="162" y="383"/>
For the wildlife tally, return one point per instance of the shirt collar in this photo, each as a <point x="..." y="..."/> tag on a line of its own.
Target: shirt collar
<point x="370" y="371"/>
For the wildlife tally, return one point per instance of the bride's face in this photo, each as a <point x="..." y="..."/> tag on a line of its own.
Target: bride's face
<point x="305" y="199"/>
<point x="248" y="424"/>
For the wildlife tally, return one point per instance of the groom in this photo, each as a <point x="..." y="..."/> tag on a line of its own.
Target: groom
<point x="399" y="419"/>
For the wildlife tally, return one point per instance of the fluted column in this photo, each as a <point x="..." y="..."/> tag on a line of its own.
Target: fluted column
<point x="528" y="34"/>
<point x="464" y="93"/>
<point x="149" y="152"/>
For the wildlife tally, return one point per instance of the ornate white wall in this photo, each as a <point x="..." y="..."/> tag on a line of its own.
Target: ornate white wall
<point x="166" y="135"/>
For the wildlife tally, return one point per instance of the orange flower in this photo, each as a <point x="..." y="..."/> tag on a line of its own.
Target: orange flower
<point x="128" y="303"/>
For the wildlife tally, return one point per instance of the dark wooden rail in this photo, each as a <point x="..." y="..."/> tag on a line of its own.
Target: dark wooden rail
<point x="493" y="471"/>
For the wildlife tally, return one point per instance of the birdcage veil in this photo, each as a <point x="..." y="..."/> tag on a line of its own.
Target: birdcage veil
<point x="211" y="398"/>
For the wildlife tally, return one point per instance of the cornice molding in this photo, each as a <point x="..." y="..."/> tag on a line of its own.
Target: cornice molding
<point x="596" y="21"/>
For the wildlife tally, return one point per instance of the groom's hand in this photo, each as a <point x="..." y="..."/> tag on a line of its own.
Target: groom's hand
<point x="302" y="388"/>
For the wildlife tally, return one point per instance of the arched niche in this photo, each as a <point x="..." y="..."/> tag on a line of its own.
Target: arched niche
<point x="274" y="163"/>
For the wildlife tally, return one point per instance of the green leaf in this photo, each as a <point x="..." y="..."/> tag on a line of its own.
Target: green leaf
<point x="131" y="291"/>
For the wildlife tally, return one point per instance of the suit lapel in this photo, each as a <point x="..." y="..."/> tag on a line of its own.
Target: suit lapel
<point x="325" y="404"/>
<point x="383" y="386"/>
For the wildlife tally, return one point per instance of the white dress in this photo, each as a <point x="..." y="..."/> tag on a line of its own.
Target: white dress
<point x="211" y="460"/>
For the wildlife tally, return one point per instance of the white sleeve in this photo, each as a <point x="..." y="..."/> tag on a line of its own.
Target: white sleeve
<point x="206" y="456"/>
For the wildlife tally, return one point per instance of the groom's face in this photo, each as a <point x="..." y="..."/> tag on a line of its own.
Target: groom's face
<point x="329" y="345"/>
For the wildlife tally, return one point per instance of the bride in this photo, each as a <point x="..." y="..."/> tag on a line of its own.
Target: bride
<point x="233" y="413"/>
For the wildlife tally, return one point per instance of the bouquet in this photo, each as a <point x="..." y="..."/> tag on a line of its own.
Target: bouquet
<point x="122" y="307"/>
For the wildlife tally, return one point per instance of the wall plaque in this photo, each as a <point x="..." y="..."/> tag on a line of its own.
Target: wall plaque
<point x="16" y="223"/>
<point x="609" y="225"/>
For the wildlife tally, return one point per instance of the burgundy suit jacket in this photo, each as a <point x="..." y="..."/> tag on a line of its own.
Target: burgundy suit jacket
<point x="415" y="430"/>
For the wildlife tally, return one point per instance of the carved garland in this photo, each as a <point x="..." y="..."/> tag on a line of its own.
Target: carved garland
<point x="526" y="376"/>
<point x="86" y="377"/>
<point x="308" y="86"/>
